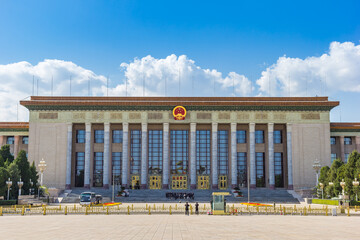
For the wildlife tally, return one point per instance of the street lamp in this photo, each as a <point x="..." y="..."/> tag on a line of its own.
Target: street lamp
<point x="20" y="184"/>
<point x="356" y="184"/>
<point x="317" y="167"/>
<point x="322" y="190"/>
<point x="8" y="183"/>
<point x="42" y="167"/>
<point x="31" y="184"/>
<point x="342" y="184"/>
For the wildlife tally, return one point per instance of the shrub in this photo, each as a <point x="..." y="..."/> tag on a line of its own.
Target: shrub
<point x="326" y="201"/>
<point x="7" y="202"/>
<point x="354" y="203"/>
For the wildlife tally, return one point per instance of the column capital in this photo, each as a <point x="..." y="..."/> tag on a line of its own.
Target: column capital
<point x="252" y="127"/>
<point x="125" y="126"/>
<point x="166" y="126"/>
<point x="87" y="126"/>
<point x="288" y="127"/>
<point x="106" y="126"/>
<point x="270" y="127"/>
<point x="214" y="126"/>
<point x="192" y="127"/>
<point x="233" y="127"/>
<point x="144" y="127"/>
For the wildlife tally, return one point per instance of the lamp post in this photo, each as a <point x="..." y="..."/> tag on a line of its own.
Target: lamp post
<point x="342" y="184"/>
<point x="8" y="183"/>
<point x="42" y="167"/>
<point x="31" y="184"/>
<point x="317" y="167"/>
<point x="356" y="184"/>
<point x="322" y="190"/>
<point x="20" y="184"/>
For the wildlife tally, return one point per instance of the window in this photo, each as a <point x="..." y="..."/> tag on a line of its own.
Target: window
<point x="80" y="136"/>
<point x="332" y="140"/>
<point x="278" y="168"/>
<point x="155" y="152"/>
<point x="260" y="169"/>
<point x="10" y="140"/>
<point x="179" y="151"/>
<point x="223" y="152"/>
<point x="98" y="169"/>
<point x="347" y="157"/>
<point x="99" y="136"/>
<point x="259" y="136"/>
<point x="135" y="151"/>
<point x="241" y="136"/>
<point x="79" y="169"/>
<point x="203" y="154"/>
<point x="117" y="136"/>
<point x="242" y="168"/>
<point x="347" y="141"/>
<point x="333" y="157"/>
<point x="25" y="140"/>
<point x="116" y="159"/>
<point x="277" y="136"/>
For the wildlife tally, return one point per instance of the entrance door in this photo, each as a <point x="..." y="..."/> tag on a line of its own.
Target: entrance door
<point x="179" y="182"/>
<point x="135" y="182"/>
<point x="203" y="182"/>
<point x="223" y="182"/>
<point x="155" y="182"/>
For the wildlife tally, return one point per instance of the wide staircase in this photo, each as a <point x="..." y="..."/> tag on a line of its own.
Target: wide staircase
<point x="149" y="195"/>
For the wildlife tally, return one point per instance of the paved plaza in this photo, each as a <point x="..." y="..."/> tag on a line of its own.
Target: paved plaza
<point x="178" y="227"/>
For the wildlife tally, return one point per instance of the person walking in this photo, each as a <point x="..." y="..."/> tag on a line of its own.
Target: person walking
<point x="197" y="208"/>
<point x="187" y="208"/>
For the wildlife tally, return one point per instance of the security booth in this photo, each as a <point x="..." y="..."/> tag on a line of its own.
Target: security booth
<point x="218" y="200"/>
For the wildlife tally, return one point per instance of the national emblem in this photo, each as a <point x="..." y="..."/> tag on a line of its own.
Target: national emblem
<point x="179" y="113"/>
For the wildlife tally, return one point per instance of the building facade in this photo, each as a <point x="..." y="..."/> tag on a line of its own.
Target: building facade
<point x="16" y="135"/>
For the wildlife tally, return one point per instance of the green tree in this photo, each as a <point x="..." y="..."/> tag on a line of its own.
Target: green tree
<point x="24" y="169"/>
<point x="34" y="176"/>
<point x="14" y="177"/>
<point x="4" y="175"/>
<point x="5" y="154"/>
<point x="2" y="162"/>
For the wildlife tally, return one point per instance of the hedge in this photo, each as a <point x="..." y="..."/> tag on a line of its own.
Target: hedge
<point x="326" y="201"/>
<point x="7" y="202"/>
<point x="354" y="203"/>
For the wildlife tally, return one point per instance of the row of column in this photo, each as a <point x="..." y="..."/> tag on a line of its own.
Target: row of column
<point x="165" y="179"/>
<point x="16" y="144"/>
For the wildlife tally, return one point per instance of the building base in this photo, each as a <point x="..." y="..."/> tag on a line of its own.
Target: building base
<point x="165" y="186"/>
<point x="67" y="186"/>
<point x="106" y="186"/>
<point x="143" y="186"/>
<point x="193" y="186"/>
<point x="214" y="186"/>
<point x="290" y="187"/>
<point x="87" y="186"/>
<point x="272" y="187"/>
<point x="252" y="186"/>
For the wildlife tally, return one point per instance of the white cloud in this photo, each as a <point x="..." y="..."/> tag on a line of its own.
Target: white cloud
<point x="16" y="83"/>
<point x="162" y="75"/>
<point x="338" y="70"/>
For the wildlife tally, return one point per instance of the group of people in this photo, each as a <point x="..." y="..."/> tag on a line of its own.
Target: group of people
<point x="187" y="208"/>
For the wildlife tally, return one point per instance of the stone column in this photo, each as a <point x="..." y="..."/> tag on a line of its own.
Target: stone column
<point x="214" y="157"/>
<point x="125" y="155"/>
<point x="342" y="151"/>
<point x="87" y="155"/>
<point x="289" y="156"/>
<point x="357" y="142"/>
<point x="165" y="179"/>
<point x="193" y="155"/>
<point x="106" y="155"/>
<point x="271" y="155"/>
<point x="234" y="176"/>
<point x="144" y="159"/>
<point x="252" y="155"/>
<point x="2" y="138"/>
<point x="68" y="156"/>
<point x="16" y="146"/>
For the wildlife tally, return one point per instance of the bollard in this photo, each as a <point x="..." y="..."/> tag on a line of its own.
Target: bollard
<point x="284" y="210"/>
<point x="154" y="207"/>
<point x="266" y="210"/>
<point x="146" y="207"/>
<point x="304" y="211"/>
<point x="163" y="207"/>
<point x="257" y="210"/>
<point x="326" y="211"/>
<point x="348" y="210"/>
<point x="175" y="206"/>
<point x="86" y="210"/>
<point x="65" y="210"/>
<point x="128" y="210"/>
<point x="132" y="207"/>
<point x="170" y="209"/>
<point x="149" y="210"/>
<point x="191" y="209"/>
<point x="204" y="207"/>
<point x="60" y="207"/>
<point x="107" y="210"/>
<point x="1" y="211"/>
<point x="44" y="210"/>
<point x="23" y="210"/>
<point x="74" y="207"/>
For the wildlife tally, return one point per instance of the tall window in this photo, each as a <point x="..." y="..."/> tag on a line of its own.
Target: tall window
<point x="117" y="136"/>
<point x="25" y="140"/>
<point x="179" y="151"/>
<point x="347" y="141"/>
<point x="332" y="140"/>
<point x="203" y="157"/>
<point x="223" y="152"/>
<point x="135" y="151"/>
<point x="279" y="176"/>
<point x="10" y="140"/>
<point x="116" y="159"/>
<point x="242" y="168"/>
<point x="333" y="157"/>
<point x="99" y="136"/>
<point x="80" y="136"/>
<point x="260" y="169"/>
<point x="347" y="157"/>
<point x="98" y="169"/>
<point x="278" y="136"/>
<point x="155" y="151"/>
<point x="259" y="136"/>
<point x="240" y="136"/>
<point x="79" y="169"/>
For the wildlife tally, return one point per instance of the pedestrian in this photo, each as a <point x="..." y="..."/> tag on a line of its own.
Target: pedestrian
<point x="224" y="205"/>
<point x="197" y="208"/>
<point x="187" y="208"/>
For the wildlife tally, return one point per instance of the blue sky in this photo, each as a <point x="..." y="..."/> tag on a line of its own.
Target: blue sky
<point x="246" y="38"/>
